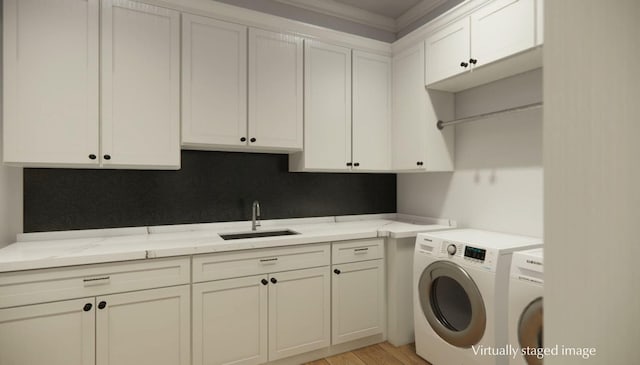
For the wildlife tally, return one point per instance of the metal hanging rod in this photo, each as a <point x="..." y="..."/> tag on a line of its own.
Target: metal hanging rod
<point x="442" y="124"/>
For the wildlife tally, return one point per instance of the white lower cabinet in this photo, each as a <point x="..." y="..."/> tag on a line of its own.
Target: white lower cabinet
<point x="149" y="327"/>
<point x="299" y="312"/>
<point x="235" y="319"/>
<point x="125" y="313"/>
<point x="358" y="300"/>
<point x="280" y="306"/>
<point x="230" y="321"/>
<point x="151" y="313"/>
<point x="136" y="328"/>
<point x="58" y="333"/>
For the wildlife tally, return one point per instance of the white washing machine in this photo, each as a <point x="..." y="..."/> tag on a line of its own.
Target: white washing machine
<point x="461" y="278"/>
<point x="525" y="305"/>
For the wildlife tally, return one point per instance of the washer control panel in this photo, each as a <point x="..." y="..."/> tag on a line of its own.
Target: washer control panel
<point x="475" y="253"/>
<point x="468" y="254"/>
<point x="451" y="249"/>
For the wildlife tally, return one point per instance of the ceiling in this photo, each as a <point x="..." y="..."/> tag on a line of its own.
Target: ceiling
<point x="389" y="15"/>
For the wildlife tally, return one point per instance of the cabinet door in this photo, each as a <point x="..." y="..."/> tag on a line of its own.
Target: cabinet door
<point x="539" y="22"/>
<point x="447" y="50"/>
<point x="299" y="312"/>
<point x="502" y="28"/>
<point x="409" y="125"/>
<point x="58" y="333"/>
<point x="51" y="82"/>
<point x="371" y="111"/>
<point x="230" y="322"/>
<point x="149" y="327"/>
<point x="275" y="90"/>
<point x="140" y="85"/>
<point x="358" y="300"/>
<point x="327" y="112"/>
<point x="214" y="82"/>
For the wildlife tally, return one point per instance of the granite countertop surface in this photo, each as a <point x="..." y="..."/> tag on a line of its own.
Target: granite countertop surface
<point x="68" y="248"/>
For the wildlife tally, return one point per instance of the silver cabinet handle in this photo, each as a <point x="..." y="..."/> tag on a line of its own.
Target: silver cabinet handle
<point x="103" y="280"/>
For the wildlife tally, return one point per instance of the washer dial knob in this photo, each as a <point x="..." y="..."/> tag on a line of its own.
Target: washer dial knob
<point x="451" y="249"/>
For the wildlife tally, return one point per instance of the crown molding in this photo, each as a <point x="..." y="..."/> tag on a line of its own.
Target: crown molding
<point x="256" y="19"/>
<point x="416" y="12"/>
<point x="347" y="12"/>
<point x="365" y="17"/>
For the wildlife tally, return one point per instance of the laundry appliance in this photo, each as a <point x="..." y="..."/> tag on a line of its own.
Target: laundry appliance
<point x="525" y="306"/>
<point x="461" y="280"/>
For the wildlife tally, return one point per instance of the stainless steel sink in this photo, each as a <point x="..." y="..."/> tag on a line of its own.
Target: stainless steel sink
<point x="257" y="234"/>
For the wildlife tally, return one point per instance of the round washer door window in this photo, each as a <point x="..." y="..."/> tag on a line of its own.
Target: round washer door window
<point x="452" y="304"/>
<point x="530" y="330"/>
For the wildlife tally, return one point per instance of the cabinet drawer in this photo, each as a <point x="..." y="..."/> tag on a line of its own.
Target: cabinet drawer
<point x="47" y="285"/>
<point x="354" y="251"/>
<point x="254" y="262"/>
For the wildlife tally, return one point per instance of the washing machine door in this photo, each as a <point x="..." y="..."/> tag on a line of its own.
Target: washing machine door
<point x="452" y="304"/>
<point x="530" y="330"/>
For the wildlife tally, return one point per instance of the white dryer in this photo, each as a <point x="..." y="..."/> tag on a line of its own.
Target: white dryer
<point x="461" y="278"/>
<point x="525" y="305"/>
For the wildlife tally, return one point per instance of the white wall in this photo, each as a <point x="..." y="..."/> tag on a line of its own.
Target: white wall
<point x="497" y="184"/>
<point x="592" y="179"/>
<point x="10" y="185"/>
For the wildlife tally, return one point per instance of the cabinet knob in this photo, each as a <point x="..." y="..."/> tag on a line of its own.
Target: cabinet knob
<point x="107" y="157"/>
<point x="243" y="139"/>
<point x="252" y="140"/>
<point x="337" y="271"/>
<point x="273" y="280"/>
<point x="473" y="61"/>
<point x="264" y="281"/>
<point x="87" y="307"/>
<point x="349" y="164"/>
<point x="464" y="64"/>
<point x="92" y="156"/>
<point x="356" y="164"/>
<point x="419" y="163"/>
<point x="102" y="305"/>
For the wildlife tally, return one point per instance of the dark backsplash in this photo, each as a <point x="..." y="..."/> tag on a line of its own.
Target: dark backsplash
<point x="210" y="187"/>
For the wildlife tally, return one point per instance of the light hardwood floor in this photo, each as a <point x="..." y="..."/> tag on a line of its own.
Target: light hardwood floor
<point x="380" y="354"/>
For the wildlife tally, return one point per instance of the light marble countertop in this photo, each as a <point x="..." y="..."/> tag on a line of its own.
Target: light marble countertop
<point x="67" y="248"/>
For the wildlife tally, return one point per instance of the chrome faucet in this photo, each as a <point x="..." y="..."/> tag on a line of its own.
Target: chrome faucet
<point x="255" y="215"/>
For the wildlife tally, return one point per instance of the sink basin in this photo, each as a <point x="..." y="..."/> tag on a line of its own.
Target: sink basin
<point x="257" y="234"/>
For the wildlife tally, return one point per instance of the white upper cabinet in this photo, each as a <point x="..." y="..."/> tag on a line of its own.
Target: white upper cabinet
<point x="51" y="82"/>
<point x="371" y="111"/>
<point x="447" y="51"/>
<point x="417" y="143"/>
<point x="327" y="108"/>
<point x="275" y="91"/>
<point x="140" y="85"/>
<point x="502" y="28"/>
<point x="214" y="82"/>
<point x="347" y="110"/>
<point x="409" y="111"/>
<point x="491" y="41"/>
